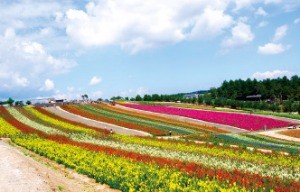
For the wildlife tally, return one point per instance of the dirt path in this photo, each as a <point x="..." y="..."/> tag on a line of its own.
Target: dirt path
<point x="276" y="134"/>
<point x="186" y="119"/>
<point x="91" y="122"/>
<point x="21" y="173"/>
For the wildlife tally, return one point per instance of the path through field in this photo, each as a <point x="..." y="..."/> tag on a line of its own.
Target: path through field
<point x="276" y="134"/>
<point x="90" y="122"/>
<point x="20" y="173"/>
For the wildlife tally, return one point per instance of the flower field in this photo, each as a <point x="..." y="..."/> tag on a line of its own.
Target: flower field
<point x="159" y="118"/>
<point x="244" y="121"/>
<point x="132" y="163"/>
<point x="152" y="125"/>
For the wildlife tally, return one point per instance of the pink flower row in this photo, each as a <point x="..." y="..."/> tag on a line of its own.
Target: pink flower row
<point x="244" y="121"/>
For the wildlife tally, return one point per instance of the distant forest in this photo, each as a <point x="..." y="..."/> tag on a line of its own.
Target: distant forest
<point x="281" y="95"/>
<point x="280" y="88"/>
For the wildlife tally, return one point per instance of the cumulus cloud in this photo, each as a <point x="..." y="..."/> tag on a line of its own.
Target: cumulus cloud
<point x="24" y="62"/>
<point x="48" y="85"/>
<point x="133" y="92"/>
<point x="138" y="25"/>
<point x="240" y="34"/>
<point x="96" y="95"/>
<point x="95" y="80"/>
<point x="263" y="24"/>
<point x="272" y="74"/>
<point x="68" y="96"/>
<point x="261" y="11"/>
<point x="280" y="33"/>
<point x="242" y="4"/>
<point x="272" y="49"/>
<point x="296" y="21"/>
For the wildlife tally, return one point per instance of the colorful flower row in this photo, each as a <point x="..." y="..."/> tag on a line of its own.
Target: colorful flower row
<point x="244" y="121"/>
<point x="136" y="120"/>
<point x="74" y="123"/>
<point x="76" y="110"/>
<point x="23" y="119"/>
<point x="118" y="172"/>
<point x="159" y="118"/>
<point x="62" y="124"/>
<point x="249" y="139"/>
<point x="6" y="129"/>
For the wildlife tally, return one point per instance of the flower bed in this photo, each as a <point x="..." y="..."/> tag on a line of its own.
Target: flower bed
<point x="143" y="164"/>
<point x="244" y="121"/>
<point x="159" y="118"/>
<point x="76" y="110"/>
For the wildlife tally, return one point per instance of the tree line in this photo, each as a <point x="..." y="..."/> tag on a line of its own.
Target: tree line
<point x="273" y="89"/>
<point x="12" y="102"/>
<point x="277" y="95"/>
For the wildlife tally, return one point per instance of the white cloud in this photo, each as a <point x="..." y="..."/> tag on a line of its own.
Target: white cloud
<point x="48" y="85"/>
<point x="142" y="91"/>
<point x="96" y="95"/>
<point x="70" y="89"/>
<point x="280" y="33"/>
<point x="68" y="96"/>
<point x="263" y="24"/>
<point x="95" y="80"/>
<point x="272" y="49"/>
<point x="241" y="34"/>
<point x="272" y="74"/>
<point x="133" y="92"/>
<point x="261" y="11"/>
<point x="296" y="21"/>
<point x="20" y="81"/>
<point x="24" y="63"/>
<point x="136" y="25"/>
<point x="272" y="1"/>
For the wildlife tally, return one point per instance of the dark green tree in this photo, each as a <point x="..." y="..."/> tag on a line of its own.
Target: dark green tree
<point x="138" y="98"/>
<point x="10" y="101"/>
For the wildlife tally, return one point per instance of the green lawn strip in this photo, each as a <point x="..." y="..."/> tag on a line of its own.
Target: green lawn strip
<point x="248" y="141"/>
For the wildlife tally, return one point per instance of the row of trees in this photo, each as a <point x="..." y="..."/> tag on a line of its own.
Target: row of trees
<point x="12" y="102"/>
<point x="280" y="88"/>
<point x="285" y="106"/>
<point x="154" y="97"/>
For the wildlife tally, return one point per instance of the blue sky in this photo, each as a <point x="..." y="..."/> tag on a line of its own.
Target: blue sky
<point x="104" y="48"/>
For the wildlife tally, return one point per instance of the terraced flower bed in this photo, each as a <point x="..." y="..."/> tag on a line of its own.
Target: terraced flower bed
<point x="244" y="121"/>
<point x="145" y="164"/>
<point x="159" y="118"/>
<point x="79" y="110"/>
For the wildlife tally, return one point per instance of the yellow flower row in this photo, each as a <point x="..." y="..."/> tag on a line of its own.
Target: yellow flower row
<point x="6" y="129"/>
